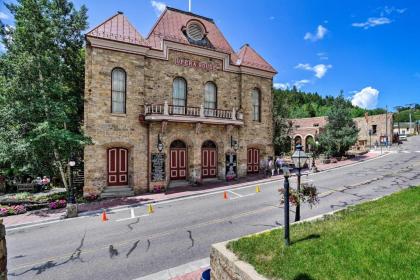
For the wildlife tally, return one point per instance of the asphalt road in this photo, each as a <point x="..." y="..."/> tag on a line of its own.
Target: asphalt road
<point x="133" y="244"/>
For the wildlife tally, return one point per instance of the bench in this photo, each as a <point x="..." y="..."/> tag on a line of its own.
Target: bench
<point x="25" y="187"/>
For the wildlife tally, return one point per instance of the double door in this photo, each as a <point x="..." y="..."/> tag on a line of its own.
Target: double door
<point x="253" y="160"/>
<point x="178" y="163"/>
<point x="117" y="166"/>
<point x="208" y="162"/>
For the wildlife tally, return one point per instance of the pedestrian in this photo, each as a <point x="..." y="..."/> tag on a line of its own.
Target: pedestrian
<point x="45" y="183"/>
<point x="279" y="164"/>
<point x="271" y="166"/>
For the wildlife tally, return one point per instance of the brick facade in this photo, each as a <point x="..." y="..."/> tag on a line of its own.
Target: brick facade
<point x="149" y="80"/>
<point x="311" y="127"/>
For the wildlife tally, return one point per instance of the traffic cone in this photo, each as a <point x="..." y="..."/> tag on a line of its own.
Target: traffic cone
<point x="104" y="218"/>
<point x="257" y="189"/>
<point x="225" y="195"/>
<point x="150" y="209"/>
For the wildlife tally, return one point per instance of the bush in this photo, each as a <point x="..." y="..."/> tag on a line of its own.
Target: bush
<point x="58" y="204"/>
<point x="12" y="210"/>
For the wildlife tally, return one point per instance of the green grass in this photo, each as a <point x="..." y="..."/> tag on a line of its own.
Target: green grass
<point x="374" y="240"/>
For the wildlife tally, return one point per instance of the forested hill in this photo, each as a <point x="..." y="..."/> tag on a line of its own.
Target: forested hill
<point x="298" y="104"/>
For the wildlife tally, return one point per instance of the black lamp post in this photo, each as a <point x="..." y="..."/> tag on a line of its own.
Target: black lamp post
<point x="286" y="174"/>
<point x="299" y="158"/>
<point x="71" y="198"/>
<point x="370" y="139"/>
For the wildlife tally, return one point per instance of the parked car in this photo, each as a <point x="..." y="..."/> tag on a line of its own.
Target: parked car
<point x="403" y="137"/>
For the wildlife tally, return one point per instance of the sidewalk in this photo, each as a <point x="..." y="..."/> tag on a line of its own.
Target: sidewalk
<point x="114" y="203"/>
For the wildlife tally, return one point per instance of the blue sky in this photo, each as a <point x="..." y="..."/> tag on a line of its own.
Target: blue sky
<point x="368" y="49"/>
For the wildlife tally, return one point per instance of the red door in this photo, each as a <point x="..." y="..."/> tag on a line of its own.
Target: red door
<point x="178" y="163"/>
<point x="208" y="162"/>
<point x="253" y="160"/>
<point x="117" y="167"/>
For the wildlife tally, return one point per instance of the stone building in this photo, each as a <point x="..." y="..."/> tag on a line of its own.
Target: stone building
<point x="177" y="107"/>
<point x="372" y="129"/>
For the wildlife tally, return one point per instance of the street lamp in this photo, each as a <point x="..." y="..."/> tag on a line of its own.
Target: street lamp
<point x="286" y="174"/>
<point x="235" y="146"/>
<point x="71" y="199"/>
<point x="299" y="158"/>
<point x="314" y="168"/>
<point x="160" y="144"/>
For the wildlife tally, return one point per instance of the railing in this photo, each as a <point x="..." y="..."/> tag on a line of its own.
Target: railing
<point x="166" y="109"/>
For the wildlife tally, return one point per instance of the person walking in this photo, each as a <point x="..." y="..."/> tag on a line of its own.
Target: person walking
<point x="279" y="165"/>
<point x="271" y="166"/>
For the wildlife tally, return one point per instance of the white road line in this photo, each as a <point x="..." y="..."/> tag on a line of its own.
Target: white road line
<point x="406" y="152"/>
<point x="237" y="194"/>
<point x="417" y="151"/>
<point x="132" y="217"/>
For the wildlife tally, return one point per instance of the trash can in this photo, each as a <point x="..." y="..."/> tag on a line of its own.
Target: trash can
<point x="205" y="275"/>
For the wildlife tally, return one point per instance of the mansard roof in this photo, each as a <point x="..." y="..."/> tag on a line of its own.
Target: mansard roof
<point x="171" y="27"/>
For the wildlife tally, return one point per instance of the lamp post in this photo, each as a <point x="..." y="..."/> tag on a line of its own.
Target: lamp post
<point x="314" y="168"/>
<point x="71" y="203"/>
<point x="286" y="174"/>
<point x="370" y="139"/>
<point x="299" y="158"/>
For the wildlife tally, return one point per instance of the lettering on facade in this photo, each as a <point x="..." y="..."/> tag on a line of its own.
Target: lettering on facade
<point x="158" y="167"/>
<point x="197" y="64"/>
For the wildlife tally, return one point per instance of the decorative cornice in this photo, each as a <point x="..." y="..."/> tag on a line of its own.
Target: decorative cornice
<point x="168" y="45"/>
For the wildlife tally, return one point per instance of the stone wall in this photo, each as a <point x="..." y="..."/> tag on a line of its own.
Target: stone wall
<point x="149" y="81"/>
<point x="225" y="265"/>
<point x="3" y="252"/>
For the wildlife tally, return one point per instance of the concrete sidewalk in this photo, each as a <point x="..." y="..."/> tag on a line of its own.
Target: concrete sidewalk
<point x="178" y="192"/>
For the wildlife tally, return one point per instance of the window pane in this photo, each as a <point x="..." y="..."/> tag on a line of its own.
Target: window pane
<point x="210" y="96"/>
<point x="179" y="94"/>
<point x="255" y="105"/>
<point x="118" y="91"/>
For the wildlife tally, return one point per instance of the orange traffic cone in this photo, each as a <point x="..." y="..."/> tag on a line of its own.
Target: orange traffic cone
<point x="104" y="218"/>
<point x="225" y="195"/>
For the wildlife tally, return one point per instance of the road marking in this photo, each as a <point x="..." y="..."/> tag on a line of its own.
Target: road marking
<point x="133" y="216"/>
<point x="235" y="193"/>
<point x="178" y="270"/>
<point x="406" y="152"/>
<point x="417" y="151"/>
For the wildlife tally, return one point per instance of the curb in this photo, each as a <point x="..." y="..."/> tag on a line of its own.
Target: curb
<point x="242" y="185"/>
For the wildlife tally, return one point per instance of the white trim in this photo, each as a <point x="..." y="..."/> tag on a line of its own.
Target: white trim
<point x="168" y="45"/>
<point x="174" y="118"/>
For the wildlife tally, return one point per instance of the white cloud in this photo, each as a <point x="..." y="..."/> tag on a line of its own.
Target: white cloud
<point x="320" y="33"/>
<point x="320" y="69"/>
<point x="159" y="7"/>
<point x="367" y="98"/>
<point x="301" y="83"/>
<point x="372" y="22"/>
<point x="389" y="10"/>
<point x="272" y="18"/>
<point x="3" y="16"/>
<point x="281" y="85"/>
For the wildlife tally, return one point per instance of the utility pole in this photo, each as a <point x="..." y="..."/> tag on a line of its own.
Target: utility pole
<point x="189" y="5"/>
<point x="386" y="126"/>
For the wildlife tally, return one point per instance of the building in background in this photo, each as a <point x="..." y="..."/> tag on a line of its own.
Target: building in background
<point x="177" y="107"/>
<point x="373" y="130"/>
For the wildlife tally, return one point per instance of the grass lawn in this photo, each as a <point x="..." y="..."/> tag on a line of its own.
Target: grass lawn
<point x="373" y="240"/>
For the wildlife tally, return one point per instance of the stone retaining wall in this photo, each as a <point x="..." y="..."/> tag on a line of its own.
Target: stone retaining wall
<point x="225" y="265"/>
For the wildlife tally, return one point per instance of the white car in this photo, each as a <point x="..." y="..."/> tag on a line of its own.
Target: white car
<point x="403" y="137"/>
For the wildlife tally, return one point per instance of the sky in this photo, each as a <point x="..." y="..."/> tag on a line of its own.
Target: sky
<point x="368" y="49"/>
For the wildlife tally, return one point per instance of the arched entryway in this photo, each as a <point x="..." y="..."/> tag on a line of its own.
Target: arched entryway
<point x="117" y="163"/>
<point x="297" y="140"/>
<point x="208" y="159"/>
<point x="178" y="160"/>
<point x="253" y="160"/>
<point x="309" y="141"/>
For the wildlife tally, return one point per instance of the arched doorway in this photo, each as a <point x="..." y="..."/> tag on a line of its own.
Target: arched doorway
<point x="297" y="140"/>
<point x="117" y="162"/>
<point x="178" y="160"/>
<point x="208" y="159"/>
<point x="309" y="141"/>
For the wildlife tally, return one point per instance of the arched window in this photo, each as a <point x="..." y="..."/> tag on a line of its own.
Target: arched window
<point x="256" y="106"/>
<point x="179" y="95"/>
<point x="119" y="79"/>
<point x="210" y="96"/>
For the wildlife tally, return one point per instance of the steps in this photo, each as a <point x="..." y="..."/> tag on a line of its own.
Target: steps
<point x="117" y="191"/>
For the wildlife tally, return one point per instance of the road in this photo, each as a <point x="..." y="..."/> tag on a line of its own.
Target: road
<point x="133" y="244"/>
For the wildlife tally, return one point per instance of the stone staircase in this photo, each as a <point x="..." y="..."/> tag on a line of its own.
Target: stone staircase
<point x="117" y="191"/>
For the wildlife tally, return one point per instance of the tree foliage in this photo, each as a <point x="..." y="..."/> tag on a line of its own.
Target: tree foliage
<point x="41" y="86"/>
<point x="340" y="132"/>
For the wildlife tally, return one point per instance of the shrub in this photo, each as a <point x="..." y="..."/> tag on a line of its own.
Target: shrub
<point x="58" y="204"/>
<point x="12" y="210"/>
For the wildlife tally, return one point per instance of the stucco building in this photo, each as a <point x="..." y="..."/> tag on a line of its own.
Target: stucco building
<point x="179" y="105"/>
<point x="372" y="129"/>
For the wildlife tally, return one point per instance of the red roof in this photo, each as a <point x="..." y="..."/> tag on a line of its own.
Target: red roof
<point x="118" y="28"/>
<point x="247" y="56"/>
<point x="169" y="27"/>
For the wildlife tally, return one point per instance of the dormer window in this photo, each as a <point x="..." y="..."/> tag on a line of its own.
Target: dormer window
<point x="195" y="31"/>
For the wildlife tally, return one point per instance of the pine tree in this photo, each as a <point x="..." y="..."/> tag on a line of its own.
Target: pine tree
<point x="41" y="86"/>
<point x="340" y="132"/>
